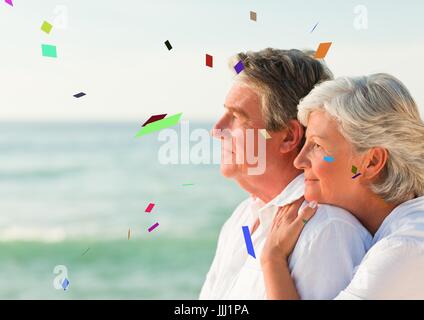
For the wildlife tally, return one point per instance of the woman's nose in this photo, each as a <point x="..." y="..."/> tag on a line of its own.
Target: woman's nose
<point x="301" y="162"/>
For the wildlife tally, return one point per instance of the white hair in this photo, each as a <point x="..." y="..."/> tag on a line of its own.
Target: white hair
<point x="377" y="111"/>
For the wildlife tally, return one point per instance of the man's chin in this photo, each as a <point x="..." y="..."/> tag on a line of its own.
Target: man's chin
<point x="228" y="171"/>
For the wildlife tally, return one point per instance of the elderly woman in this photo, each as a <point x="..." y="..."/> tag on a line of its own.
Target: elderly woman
<point x="364" y="152"/>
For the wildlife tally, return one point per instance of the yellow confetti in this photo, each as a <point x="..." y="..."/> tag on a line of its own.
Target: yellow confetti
<point x="265" y="133"/>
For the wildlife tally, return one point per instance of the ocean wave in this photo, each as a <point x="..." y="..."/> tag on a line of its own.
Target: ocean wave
<point x="15" y="233"/>
<point x="40" y="173"/>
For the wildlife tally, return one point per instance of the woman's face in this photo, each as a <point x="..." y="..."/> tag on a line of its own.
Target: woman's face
<point x="327" y="159"/>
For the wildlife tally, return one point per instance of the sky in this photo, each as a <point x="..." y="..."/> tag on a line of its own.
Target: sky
<point x="114" y="51"/>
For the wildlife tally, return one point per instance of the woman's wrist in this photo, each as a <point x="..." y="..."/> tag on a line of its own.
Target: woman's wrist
<point x="269" y="261"/>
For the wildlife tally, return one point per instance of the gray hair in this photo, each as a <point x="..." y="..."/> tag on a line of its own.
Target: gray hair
<point x="282" y="78"/>
<point x="377" y="111"/>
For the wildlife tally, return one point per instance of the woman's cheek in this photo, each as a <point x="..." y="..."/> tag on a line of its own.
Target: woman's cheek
<point x="320" y="167"/>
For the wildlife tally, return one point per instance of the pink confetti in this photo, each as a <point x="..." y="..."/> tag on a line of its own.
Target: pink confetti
<point x="9" y="2"/>
<point x="150" y="207"/>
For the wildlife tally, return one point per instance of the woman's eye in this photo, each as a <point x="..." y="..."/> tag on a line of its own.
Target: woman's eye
<point x="316" y="146"/>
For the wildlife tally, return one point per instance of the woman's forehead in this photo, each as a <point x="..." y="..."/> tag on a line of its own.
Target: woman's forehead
<point x="321" y="124"/>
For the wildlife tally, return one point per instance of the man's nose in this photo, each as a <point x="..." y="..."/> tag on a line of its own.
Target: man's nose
<point x="220" y="127"/>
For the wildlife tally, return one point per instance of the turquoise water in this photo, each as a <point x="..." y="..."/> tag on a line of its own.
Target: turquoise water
<point x="66" y="188"/>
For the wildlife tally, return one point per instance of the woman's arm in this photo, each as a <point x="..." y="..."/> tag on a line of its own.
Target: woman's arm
<point x="278" y="282"/>
<point x="283" y="236"/>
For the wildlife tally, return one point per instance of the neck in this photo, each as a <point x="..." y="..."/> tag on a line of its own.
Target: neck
<point x="370" y="211"/>
<point x="270" y="184"/>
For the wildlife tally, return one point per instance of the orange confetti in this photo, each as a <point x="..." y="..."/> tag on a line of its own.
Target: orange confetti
<point x="322" y="50"/>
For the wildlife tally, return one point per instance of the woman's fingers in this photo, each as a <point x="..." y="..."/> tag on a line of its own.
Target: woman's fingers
<point x="306" y="214"/>
<point x="294" y="208"/>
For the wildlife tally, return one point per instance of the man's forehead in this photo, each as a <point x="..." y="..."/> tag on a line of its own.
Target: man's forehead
<point x="242" y="97"/>
<point x="241" y="92"/>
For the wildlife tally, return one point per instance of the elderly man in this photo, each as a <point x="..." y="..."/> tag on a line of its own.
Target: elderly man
<point x="265" y="95"/>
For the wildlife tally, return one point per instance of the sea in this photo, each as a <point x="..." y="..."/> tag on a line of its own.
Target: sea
<point x="72" y="205"/>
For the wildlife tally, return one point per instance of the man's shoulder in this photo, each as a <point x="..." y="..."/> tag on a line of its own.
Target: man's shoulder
<point x="330" y="217"/>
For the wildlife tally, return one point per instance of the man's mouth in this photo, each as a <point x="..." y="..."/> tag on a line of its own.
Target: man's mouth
<point x="226" y="150"/>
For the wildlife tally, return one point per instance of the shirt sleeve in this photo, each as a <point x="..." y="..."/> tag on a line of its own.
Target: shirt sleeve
<point x="393" y="269"/>
<point x="328" y="260"/>
<point x="207" y="291"/>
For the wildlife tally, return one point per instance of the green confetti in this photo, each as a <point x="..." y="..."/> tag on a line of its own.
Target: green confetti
<point x="354" y="169"/>
<point x="49" y="50"/>
<point x="159" y="125"/>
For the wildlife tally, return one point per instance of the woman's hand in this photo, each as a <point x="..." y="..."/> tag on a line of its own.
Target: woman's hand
<point x="285" y="231"/>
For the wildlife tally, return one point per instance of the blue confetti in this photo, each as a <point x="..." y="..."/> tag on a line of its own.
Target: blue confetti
<point x="65" y="284"/>
<point x="248" y="241"/>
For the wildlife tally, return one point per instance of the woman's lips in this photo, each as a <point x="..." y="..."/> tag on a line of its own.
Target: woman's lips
<point x="311" y="180"/>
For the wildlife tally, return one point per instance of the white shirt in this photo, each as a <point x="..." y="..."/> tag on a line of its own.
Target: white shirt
<point x="394" y="266"/>
<point x="331" y="244"/>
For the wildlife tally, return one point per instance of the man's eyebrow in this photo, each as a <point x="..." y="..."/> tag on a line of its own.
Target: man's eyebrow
<point x="236" y="110"/>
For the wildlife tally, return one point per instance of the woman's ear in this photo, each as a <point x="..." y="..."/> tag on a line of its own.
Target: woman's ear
<point x="375" y="161"/>
<point x="292" y="136"/>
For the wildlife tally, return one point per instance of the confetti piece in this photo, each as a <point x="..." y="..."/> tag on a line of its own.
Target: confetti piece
<point x="354" y="169"/>
<point x="153" y="227"/>
<point x="65" y="283"/>
<point x="239" y="67"/>
<point x="46" y="27"/>
<point x="129" y="234"/>
<point x="304" y="221"/>
<point x="85" y="251"/>
<point x="159" y="125"/>
<point x="248" y="241"/>
<point x="253" y="15"/>
<point x="188" y="184"/>
<point x="79" y="95"/>
<point x="322" y="50"/>
<point x="314" y="27"/>
<point x="149" y="207"/>
<point x="154" y="118"/>
<point x="265" y="133"/>
<point x="168" y="44"/>
<point x="356" y="175"/>
<point x="328" y="159"/>
<point x="9" y="2"/>
<point x="209" y="60"/>
<point x="49" y="50"/>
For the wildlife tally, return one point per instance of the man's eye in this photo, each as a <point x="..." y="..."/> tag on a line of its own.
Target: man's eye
<point x="317" y="146"/>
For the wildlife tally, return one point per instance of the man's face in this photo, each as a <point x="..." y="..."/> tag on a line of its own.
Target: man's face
<point x="242" y="112"/>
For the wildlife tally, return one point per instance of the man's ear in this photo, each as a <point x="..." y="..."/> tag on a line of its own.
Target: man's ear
<point x="292" y="136"/>
<point x="375" y="161"/>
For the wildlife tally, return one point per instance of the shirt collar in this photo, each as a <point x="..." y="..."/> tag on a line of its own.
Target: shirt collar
<point x="294" y="190"/>
<point x="266" y="211"/>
